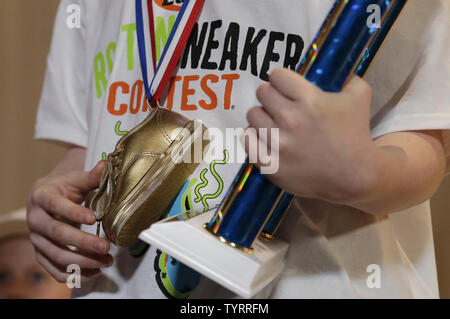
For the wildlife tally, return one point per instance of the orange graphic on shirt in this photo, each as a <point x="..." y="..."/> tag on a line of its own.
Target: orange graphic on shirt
<point x="171" y="5"/>
<point x="206" y="84"/>
<point x="133" y="97"/>
<point x="206" y="92"/>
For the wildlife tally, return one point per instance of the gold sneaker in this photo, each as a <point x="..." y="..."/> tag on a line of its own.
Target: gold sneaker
<point x="145" y="172"/>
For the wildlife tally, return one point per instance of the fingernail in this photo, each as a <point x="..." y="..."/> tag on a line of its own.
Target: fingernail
<point x="100" y="246"/>
<point x="89" y="219"/>
<point x="109" y="263"/>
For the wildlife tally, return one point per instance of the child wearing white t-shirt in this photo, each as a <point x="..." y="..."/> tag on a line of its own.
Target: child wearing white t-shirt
<point x="362" y="163"/>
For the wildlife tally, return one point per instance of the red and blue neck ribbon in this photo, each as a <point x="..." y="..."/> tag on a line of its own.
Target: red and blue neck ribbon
<point x="157" y="76"/>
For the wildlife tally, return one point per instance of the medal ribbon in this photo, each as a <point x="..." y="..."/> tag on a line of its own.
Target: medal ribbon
<point x="186" y="18"/>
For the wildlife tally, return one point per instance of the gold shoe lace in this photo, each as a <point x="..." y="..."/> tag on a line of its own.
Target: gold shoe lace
<point x="100" y="199"/>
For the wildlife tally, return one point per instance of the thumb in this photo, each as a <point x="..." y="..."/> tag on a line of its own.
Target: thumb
<point x="95" y="175"/>
<point x="86" y="181"/>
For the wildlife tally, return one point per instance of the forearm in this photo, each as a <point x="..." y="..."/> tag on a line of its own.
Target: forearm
<point x="72" y="160"/>
<point x="404" y="169"/>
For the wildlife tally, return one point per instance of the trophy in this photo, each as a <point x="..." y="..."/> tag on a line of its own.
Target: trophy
<point x="236" y="244"/>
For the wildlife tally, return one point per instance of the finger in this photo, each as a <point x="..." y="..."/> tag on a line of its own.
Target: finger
<point x="53" y="202"/>
<point x="357" y="87"/>
<point x="258" y="118"/>
<point x="56" y="272"/>
<point x="264" y="125"/>
<point x="272" y="101"/>
<point x="291" y="84"/>
<point x="67" y="235"/>
<point x="63" y="256"/>
<point x="259" y="151"/>
<point x="60" y="273"/>
<point x="249" y="140"/>
<point x="87" y="181"/>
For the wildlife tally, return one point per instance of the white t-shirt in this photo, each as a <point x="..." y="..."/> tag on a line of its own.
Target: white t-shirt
<point x="93" y="94"/>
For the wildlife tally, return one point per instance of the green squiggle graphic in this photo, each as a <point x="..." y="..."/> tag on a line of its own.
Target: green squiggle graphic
<point x="118" y="131"/>
<point x="200" y="186"/>
<point x="212" y="168"/>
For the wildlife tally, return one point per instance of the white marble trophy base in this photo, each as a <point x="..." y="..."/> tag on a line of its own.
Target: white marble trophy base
<point x="242" y="272"/>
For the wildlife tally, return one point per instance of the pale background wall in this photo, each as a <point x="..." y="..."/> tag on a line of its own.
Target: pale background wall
<point x="25" y="32"/>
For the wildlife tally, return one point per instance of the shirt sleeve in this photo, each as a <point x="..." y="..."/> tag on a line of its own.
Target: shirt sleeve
<point x="410" y="78"/>
<point x="63" y="105"/>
